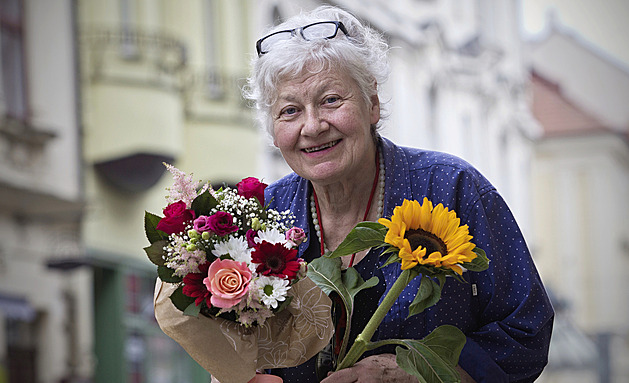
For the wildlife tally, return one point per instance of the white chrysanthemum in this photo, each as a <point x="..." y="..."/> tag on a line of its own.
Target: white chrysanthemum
<point x="235" y="247"/>
<point x="271" y="236"/>
<point x="271" y="290"/>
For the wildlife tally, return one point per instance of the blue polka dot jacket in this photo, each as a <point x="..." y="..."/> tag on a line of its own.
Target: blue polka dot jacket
<point x="504" y="311"/>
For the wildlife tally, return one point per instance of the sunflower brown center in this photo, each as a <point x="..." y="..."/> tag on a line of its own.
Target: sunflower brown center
<point x="428" y="240"/>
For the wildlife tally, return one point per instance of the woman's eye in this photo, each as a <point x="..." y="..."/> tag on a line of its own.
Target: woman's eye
<point x="290" y="110"/>
<point x="331" y="99"/>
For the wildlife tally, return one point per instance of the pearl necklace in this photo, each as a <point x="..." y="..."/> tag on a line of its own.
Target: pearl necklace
<point x="380" y="205"/>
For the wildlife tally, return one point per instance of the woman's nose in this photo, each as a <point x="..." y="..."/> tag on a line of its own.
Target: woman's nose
<point x="314" y="124"/>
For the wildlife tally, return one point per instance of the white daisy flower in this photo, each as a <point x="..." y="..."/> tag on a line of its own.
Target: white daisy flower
<point x="271" y="290"/>
<point x="235" y="247"/>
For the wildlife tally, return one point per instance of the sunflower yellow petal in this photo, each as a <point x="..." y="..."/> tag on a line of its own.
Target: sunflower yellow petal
<point x="425" y="214"/>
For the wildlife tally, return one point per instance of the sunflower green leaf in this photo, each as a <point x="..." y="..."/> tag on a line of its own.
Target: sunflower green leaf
<point x="363" y="236"/>
<point x="428" y="294"/>
<point x="327" y="274"/>
<point x="434" y="358"/>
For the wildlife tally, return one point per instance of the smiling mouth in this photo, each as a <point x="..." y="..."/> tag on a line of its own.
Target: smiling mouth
<point x="322" y="147"/>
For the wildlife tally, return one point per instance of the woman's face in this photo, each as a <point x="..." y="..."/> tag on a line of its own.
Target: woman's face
<point x="321" y="124"/>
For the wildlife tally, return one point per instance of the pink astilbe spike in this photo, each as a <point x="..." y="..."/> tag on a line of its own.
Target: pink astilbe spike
<point x="184" y="188"/>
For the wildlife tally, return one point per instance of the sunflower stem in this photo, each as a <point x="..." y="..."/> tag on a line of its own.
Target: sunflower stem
<point x="363" y="340"/>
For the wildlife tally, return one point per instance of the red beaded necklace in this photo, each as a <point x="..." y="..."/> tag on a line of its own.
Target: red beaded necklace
<point x="373" y="192"/>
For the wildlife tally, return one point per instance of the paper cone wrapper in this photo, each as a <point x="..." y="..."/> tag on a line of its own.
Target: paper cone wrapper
<point x="231" y="353"/>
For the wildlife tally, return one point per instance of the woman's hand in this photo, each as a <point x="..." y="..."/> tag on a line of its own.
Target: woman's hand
<point x="376" y="368"/>
<point x="380" y="368"/>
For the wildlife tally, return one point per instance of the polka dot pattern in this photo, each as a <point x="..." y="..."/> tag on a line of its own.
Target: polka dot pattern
<point x="504" y="311"/>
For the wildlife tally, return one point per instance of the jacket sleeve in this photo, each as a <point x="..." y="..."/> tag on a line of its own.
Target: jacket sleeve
<point x="514" y="315"/>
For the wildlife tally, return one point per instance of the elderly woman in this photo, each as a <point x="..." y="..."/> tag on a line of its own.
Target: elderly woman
<point x="315" y="83"/>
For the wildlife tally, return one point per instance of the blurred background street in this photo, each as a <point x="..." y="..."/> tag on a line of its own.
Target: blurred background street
<point x="95" y="95"/>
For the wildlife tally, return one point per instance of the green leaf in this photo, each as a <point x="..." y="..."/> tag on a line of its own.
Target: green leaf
<point x="363" y="236"/>
<point x="434" y="358"/>
<point x="442" y="280"/>
<point x="480" y="263"/>
<point x="428" y="294"/>
<point x="150" y="223"/>
<point x="447" y="341"/>
<point x="180" y="300"/>
<point x="326" y="273"/>
<point x="204" y="203"/>
<point x="285" y="303"/>
<point x="192" y="310"/>
<point x="166" y="275"/>
<point x="394" y="258"/>
<point x="355" y="283"/>
<point x="155" y="252"/>
<point x="421" y="362"/>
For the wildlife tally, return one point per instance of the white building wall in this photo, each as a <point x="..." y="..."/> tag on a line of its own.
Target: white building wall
<point x="41" y="200"/>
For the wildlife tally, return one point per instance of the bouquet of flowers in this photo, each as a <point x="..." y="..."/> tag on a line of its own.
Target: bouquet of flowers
<point x="224" y="254"/>
<point x="427" y="241"/>
<point x="230" y="256"/>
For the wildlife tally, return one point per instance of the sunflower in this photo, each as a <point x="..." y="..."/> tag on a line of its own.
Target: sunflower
<point x="429" y="236"/>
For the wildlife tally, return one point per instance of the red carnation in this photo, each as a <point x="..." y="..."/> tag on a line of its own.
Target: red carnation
<point x="276" y="260"/>
<point x="194" y="287"/>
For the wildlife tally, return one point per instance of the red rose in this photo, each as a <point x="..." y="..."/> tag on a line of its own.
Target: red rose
<point x="175" y="218"/>
<point x="221" y="223"/>
<point x="252" y="187"/>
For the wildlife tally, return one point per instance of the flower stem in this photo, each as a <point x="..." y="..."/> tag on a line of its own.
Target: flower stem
<point x="363" y="340"/>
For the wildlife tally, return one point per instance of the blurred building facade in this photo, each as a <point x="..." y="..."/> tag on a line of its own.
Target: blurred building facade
<point x="96" y="95"/>
<point x="160" y="82"/>
<point x="45" y="332"/>
<point x="581" y="184"/>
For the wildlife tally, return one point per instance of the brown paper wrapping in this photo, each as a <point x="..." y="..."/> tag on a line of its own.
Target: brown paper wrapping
<point x="231" y="353"/>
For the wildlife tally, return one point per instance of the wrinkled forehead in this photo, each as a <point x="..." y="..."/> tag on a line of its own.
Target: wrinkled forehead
<point x="309" y="71"/>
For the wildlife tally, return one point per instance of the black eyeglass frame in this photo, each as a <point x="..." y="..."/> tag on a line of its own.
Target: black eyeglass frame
<point x="293" y="32"/>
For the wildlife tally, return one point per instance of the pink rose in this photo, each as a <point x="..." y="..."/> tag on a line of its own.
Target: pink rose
<point x="175" y="218"/>
<point x="252" y="187"/>
<point x="228" y="281"/>
<point x="202" y="224"/>
<point x="221" y="223"/>
<point x="296" y="236"/>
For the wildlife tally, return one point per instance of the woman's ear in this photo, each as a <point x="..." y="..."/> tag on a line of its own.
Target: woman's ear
<point x="374" y="112"/>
